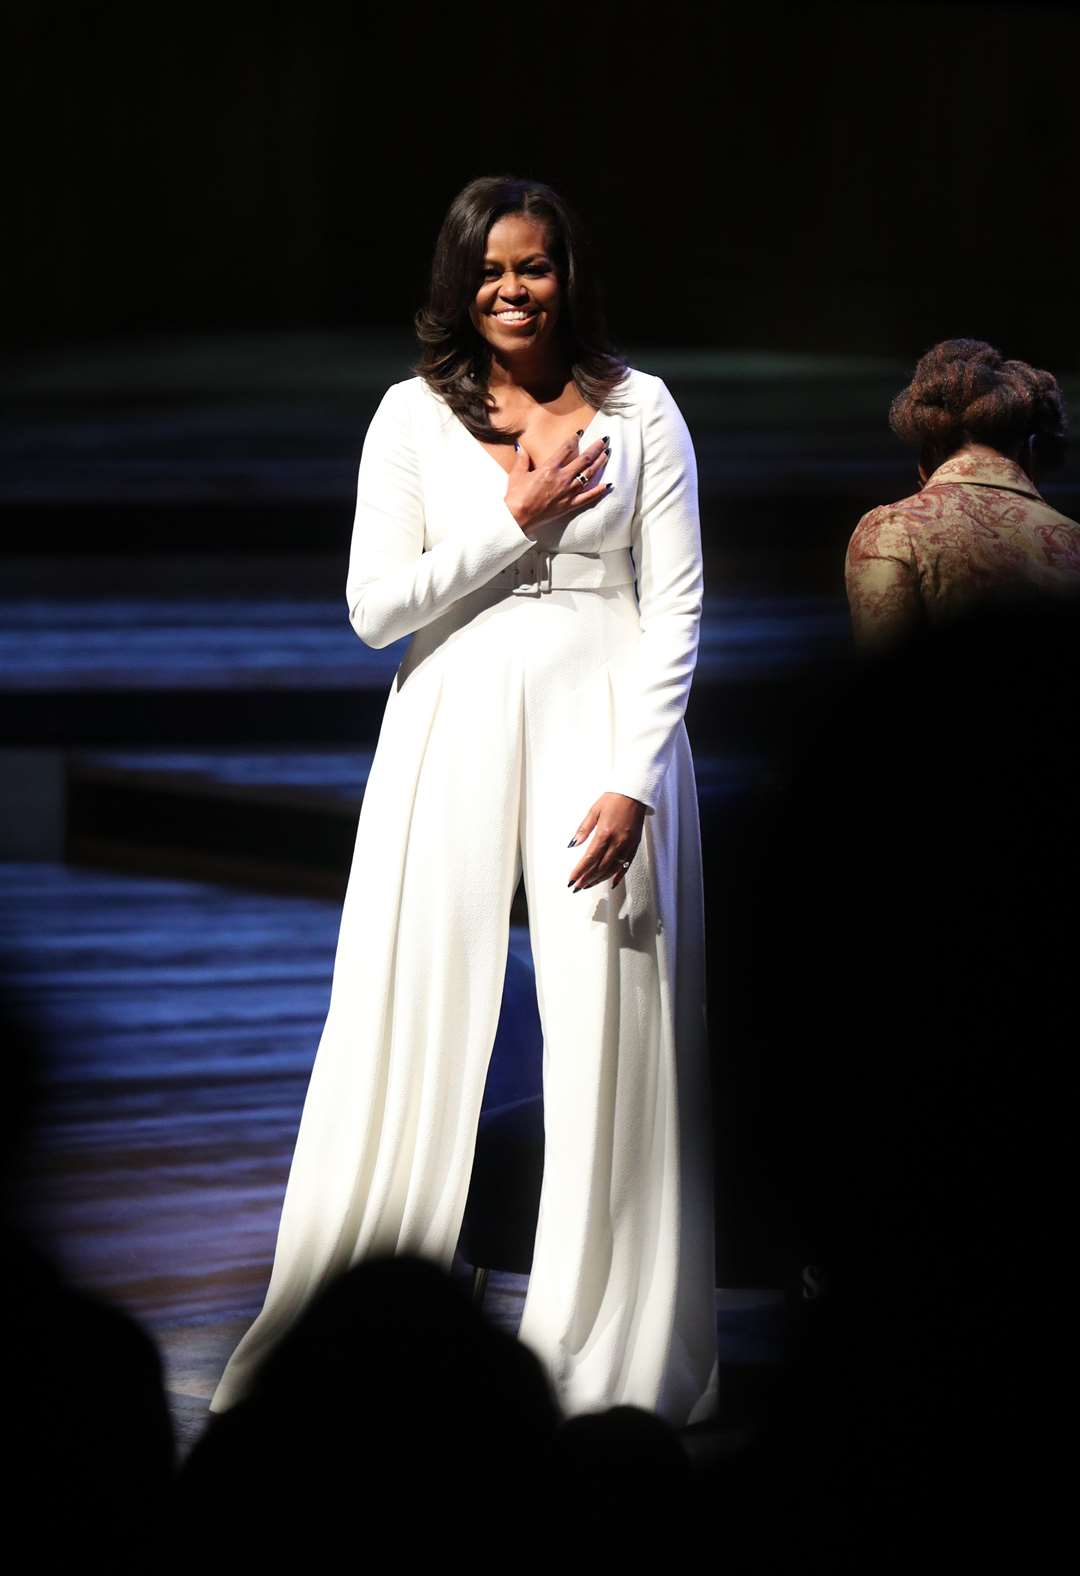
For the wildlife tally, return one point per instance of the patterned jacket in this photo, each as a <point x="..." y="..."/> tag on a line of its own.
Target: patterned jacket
<point x="978" y="531"/>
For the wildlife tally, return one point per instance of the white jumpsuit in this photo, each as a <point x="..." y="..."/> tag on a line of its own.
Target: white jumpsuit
<point x="536" y="680"/>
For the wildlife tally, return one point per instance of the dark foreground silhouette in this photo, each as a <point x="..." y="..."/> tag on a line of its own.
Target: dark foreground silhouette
<point x="903" y="973"/>
<point x="395" y="1405"/>
<point x="90" y="1454"/>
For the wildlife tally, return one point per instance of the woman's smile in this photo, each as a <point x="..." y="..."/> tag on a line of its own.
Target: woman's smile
<point x="513" y="316"/>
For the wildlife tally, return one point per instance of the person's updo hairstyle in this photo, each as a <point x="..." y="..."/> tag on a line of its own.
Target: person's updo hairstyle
<point x="964" y="392"/>
<point x="455" y="359"/>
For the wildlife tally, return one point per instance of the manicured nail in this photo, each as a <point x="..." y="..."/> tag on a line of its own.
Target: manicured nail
<point x="581" y="432"/>
<point x="605" y="439"/>
<point x="609" y="486"/>
<point x="517" y="445"/>
<point x="571" y="843"/>
<point x="570" y="883"/>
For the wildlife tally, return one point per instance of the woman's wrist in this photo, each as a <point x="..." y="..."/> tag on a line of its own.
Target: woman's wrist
<point x="521" y="515"/>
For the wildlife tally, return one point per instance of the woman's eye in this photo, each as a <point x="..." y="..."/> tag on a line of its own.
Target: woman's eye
<point x="537" y="269"/>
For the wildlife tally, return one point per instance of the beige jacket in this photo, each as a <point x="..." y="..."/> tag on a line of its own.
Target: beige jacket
<point x="978" y="531"/>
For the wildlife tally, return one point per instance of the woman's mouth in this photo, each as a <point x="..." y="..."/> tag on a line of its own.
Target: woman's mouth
<point x="513" y="315"/>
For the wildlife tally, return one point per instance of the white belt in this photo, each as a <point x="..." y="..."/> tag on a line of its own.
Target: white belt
<point x="542" y="569"/>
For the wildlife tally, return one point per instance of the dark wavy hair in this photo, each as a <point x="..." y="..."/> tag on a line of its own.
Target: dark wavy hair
<point x="455" y="360"/>
<point x="964" y="392"/>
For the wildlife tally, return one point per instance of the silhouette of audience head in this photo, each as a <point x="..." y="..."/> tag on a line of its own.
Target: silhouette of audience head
<point x="625" y="1477"/>
<point x="394" y="1401"/>
<point x="91" y="1450"/>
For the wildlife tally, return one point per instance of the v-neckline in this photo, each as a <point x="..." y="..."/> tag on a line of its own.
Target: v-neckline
<point x="467" y="435"/>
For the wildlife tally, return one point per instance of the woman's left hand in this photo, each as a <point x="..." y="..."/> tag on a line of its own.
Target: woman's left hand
<point x="613" y="828"/>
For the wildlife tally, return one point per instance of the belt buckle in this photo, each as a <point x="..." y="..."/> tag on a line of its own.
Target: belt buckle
<point x="535" y="585"/>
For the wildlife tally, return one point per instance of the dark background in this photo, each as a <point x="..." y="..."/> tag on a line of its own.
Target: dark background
<point x="861" y="178"/>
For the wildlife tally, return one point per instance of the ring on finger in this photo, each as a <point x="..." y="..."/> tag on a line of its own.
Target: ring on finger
<point x="582" y="478"/>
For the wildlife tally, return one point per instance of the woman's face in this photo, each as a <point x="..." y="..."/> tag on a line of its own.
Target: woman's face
<point x="517" y="305"/>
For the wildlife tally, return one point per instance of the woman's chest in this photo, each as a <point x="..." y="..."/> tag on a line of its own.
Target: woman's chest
<point x="543" y="435"/>
<point x="461" y="480"/>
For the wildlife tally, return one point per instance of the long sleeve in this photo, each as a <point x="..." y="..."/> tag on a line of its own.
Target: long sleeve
<point x="882" y="581"/>
<point x="394" y="587"/>
<point x="666" y="543"/>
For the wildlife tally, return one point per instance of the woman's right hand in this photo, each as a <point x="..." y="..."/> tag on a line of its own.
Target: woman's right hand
<point x="536" y="494"/>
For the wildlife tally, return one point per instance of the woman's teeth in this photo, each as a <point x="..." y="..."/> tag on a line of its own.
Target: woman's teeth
<point x="513" y="317"/>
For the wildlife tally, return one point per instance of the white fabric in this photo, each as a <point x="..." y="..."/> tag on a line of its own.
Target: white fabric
<point x="543" y="570"/>
<point x="508" y="716"/>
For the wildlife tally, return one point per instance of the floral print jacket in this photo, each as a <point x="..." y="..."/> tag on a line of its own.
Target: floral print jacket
<point x="978" y="530"/>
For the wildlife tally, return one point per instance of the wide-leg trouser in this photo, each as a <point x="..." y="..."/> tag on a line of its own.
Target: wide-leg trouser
<point x="499" y="734"/>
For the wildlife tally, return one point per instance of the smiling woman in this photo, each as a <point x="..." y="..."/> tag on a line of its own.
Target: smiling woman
<point x="509" y="497"/>
<point x="509" y="246"/>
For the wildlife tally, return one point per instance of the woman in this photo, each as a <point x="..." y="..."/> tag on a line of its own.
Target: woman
<point x="508" y="497"/>
<point x="979" y="530"/>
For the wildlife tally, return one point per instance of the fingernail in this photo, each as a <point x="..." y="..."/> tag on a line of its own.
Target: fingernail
<point x="609" y="486"/>
<point x="571" y="843"/>
<point x="581" y="432"/>
<point x="570" y="883"/>
<point x="605" y="438"/>
<point x="517" y="445"/>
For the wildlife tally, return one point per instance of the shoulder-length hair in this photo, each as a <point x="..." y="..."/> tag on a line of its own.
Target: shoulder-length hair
<point x="455" y="359"/>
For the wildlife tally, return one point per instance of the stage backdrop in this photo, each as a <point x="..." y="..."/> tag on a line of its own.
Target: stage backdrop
<point x="866" y="178"/>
